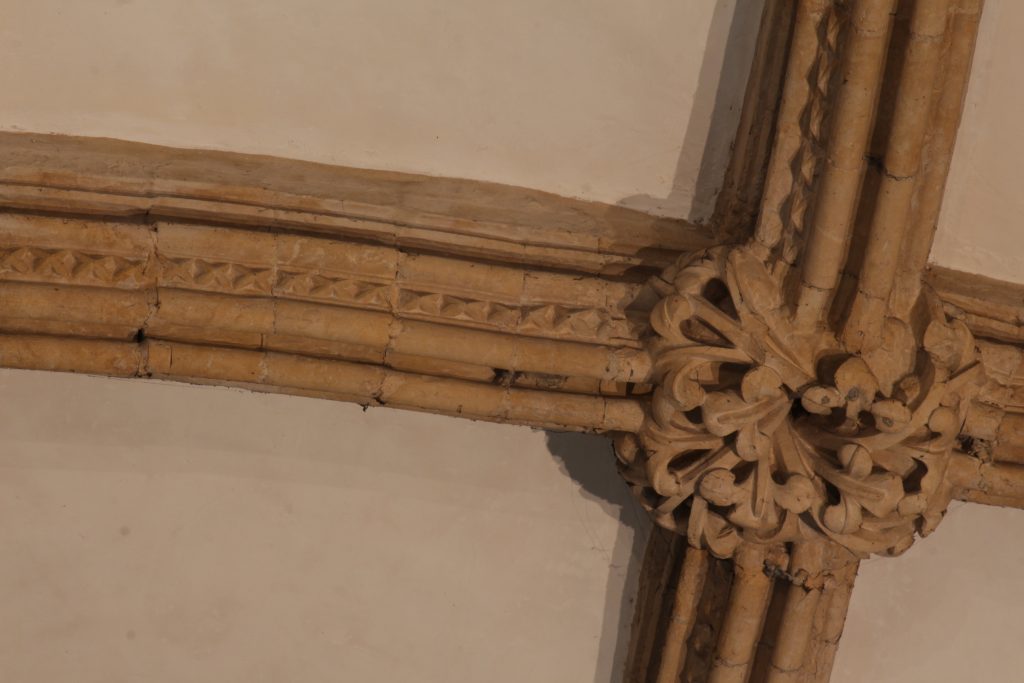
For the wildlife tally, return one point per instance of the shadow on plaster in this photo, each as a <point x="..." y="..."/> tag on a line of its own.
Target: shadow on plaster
<point x="707" y="145"/>
<point x="589" y="461"/>
<point x="973" y="253"/>
<point x="710" y="131"/>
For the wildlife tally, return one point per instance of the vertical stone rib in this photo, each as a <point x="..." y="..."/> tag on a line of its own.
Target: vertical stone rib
<point x="836" y="605"/>
<point x="900" y="169"/>
<point x="660" y="558"/>
<point x="742" y="190"/>
<point x="788" y="133"/>
<point x="744" y="621"/>
<point x="762" y="616"/>
<point x="942" y="130"/>
<point x="797" y="625"/>
<point x="838" y="190"/>
<point x="689" y="587"/>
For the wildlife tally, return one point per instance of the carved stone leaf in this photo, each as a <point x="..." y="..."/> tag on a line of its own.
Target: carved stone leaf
<point x="757" y="290"/>
<point x="950" y="344"/>
<point x="752" y="444"/>
<point x="725" y="412"/>
<point x="729" y="459"/>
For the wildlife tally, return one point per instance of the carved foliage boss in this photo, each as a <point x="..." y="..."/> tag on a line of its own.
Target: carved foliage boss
<point x="759" y="431"/>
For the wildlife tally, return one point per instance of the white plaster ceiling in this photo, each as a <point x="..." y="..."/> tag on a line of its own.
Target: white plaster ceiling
<point x="599" y="99"/>
<point x="947" y="611"/>
<point x="163" y="532"/>
<point x="631" y="103"/>
<point x="980" y="226"/>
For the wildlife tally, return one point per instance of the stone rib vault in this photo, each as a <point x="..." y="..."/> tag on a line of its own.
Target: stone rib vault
<point x="790" y="388"/>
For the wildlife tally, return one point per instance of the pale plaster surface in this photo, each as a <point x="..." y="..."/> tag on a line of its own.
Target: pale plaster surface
<point x="979" y="227"/>
<point x="603" y="100"/>
<point x="947" y="611"/>
<point x="163" y="532"/>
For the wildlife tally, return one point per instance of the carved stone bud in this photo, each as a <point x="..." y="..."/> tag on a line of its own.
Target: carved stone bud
<point x="821" y="400"/>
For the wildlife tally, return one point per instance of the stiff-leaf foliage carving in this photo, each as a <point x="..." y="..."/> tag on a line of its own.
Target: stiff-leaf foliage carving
<point x="760" y="433"/>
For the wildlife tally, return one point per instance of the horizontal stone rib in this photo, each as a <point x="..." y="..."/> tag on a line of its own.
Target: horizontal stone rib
<point x="992" y="308"/>
<point x="327" y="332"/>
<point x="74" y="311"/>
<point x="334" y="269"/>
<point x="471" y="218"/>
<point x="339" y="380"/>
<point x="454" y="292"/>
<point x="990" y="483"/>
<point x="257" y="290"/>
<point x="108" y="179"/>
